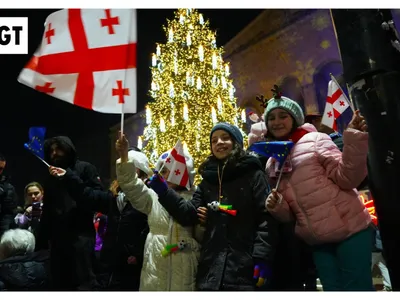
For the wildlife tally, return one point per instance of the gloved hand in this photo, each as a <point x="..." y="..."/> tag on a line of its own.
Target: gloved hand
<point x="261" y="273"/>
<point x="21" y="219"/>
<point x="158" y="183"/>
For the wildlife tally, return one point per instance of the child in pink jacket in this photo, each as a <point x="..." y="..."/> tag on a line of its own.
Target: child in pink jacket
<point x="317" y="191"/>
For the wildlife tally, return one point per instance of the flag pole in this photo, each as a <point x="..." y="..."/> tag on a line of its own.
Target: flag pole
<point x="42" y="160"/>
<point x="280" y="175"/>
<point x="122" y="118"/>
<point x="344" y="95"/>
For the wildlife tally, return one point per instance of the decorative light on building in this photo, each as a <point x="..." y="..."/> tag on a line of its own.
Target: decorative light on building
<point x="162" y="125"/>
<point x="153" y="86"/>
<point x="213" y="41"/>
<point x="171" y="90"/>
<point x="223" y="81"/>
<point x="214" y="81"/>
<point x="154" y="60"/>
<point x="172" y="118"/>
<point x="185" y="112"/>
<point x="227" y="73"/>
<point x="219" y="104"/>
<point x="148" y="115"/>
<point x="198" y="83"/>
<point x="187" y="78"/>
<point x="243" y="115"/>
<point x="201" y="19"/>
<point x="201" y="53"/>
<point x="213" y="115"/>
<point x="231" y="92"/>
<point x="140" y="142"/>
<point x="214" y="61"/>
<point x="198" y="143"/>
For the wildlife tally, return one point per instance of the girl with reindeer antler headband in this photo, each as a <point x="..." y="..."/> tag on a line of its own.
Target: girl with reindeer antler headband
<point x="319" y="194"/>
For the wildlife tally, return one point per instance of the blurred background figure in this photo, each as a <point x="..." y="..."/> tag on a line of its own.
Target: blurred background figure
<point x="29" y="217"/>
<point x="379" y="260"/>
<point x="8" y="199"/>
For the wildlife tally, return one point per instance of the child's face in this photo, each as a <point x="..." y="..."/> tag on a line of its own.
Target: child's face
<point x="34" y="194"/>
<point x="280" y="123"/>
<point x="221" y="144"/>
<point x="165" y="173"/>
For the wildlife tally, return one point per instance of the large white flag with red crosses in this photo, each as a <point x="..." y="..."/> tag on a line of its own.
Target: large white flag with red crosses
<point x="336" y="104"/>
<point x="176" y="164"/>
<point x="87" y="57"/>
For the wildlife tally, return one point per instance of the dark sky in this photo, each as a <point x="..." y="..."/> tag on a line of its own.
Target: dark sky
<point x="22" y="107"/>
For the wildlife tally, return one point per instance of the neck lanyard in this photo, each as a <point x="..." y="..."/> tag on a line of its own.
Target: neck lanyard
<point x="220" y="181"/>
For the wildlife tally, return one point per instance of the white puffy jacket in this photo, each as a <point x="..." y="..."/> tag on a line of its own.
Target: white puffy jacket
<point x="177" y="271"/>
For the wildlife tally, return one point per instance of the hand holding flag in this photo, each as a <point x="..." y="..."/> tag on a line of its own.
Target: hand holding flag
<point x="358" y="122"/>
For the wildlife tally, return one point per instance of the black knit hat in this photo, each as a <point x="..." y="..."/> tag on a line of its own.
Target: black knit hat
<point x="233" y="131"/>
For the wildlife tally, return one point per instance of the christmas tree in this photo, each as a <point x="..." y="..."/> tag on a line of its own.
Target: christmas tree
<point x="190" y="87"/>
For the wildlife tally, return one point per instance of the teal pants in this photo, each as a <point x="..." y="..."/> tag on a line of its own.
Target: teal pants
<point x="346" y="266"/>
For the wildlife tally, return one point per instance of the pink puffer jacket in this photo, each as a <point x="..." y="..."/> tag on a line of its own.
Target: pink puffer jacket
<point x="320" y="190"/>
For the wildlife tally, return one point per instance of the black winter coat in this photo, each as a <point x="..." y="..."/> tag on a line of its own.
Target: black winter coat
<point x="8" y="205"/>
<point x="25" y="273"/>
<point x="125" y="235"/>
<point x="232" y="245"/>
<point x="68" y="224"/>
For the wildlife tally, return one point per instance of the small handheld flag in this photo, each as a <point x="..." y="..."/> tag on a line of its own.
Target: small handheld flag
<point x="36" y="142"/>
<point x="277" y="149"/>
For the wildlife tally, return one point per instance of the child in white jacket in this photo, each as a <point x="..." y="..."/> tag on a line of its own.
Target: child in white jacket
<point x="162" y="270"/>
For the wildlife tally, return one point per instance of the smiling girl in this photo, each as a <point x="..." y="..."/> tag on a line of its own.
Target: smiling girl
<point x="318" y="192"/>
<point x="239" y="238"/>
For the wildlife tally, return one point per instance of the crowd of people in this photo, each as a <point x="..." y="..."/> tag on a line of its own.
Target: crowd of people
<point x="145" y="233"/>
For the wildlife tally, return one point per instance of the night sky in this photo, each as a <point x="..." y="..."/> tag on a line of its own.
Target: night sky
<point x="23" y="107"/>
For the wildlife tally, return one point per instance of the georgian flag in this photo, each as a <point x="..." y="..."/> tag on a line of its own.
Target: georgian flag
<point x="336" y="104"/>
<point x="176" y="164"/>
<point x="87" y="57"/>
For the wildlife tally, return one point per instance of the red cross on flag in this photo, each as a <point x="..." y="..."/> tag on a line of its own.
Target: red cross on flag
<point x="176" y="164"/>
<point x="87" y="57"/>
<point x="336" y="104"/>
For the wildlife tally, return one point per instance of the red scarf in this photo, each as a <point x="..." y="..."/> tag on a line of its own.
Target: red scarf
<point x="298" y="134"/>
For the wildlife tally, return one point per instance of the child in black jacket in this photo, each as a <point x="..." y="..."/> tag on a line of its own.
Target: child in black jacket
<point x="239" y="240"/>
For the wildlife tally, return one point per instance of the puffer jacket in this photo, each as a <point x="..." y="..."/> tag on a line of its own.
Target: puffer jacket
<point x="177" y="271"/>
<point x="319" y="192"/>
<point x="25" y="272"/>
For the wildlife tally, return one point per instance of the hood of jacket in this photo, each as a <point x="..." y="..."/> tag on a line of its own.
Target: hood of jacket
<point x="65" y="144"/>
